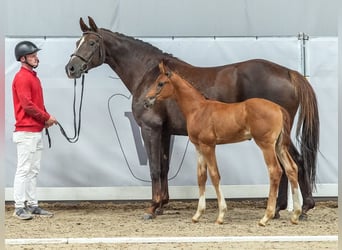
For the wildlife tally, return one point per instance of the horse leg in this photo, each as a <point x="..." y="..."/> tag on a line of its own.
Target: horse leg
<point x="282" y="196"/>
<point x="152" y="142"/>
<point x="306" y="190"/>
<point x="291" y="170"/>
<point x="275" y="172"/>
<point x="215" y="179"/>
<point x="210" y="156"/>
<point x="165" y="163"/>
<point x="201" y="179"/>
<point x="308" y="201"/>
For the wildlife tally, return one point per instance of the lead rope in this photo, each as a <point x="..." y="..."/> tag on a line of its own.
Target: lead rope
<point x="48" y="136"/>
<point x="77" y="129"/>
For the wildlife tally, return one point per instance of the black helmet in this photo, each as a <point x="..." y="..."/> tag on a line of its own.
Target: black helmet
<point x="24" y="48"/>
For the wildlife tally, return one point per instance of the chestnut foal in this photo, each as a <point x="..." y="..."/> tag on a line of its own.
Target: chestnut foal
<point x="211" y="122"/>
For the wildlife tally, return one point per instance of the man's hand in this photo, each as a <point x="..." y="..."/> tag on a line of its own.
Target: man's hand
<point x="52" y="120"/>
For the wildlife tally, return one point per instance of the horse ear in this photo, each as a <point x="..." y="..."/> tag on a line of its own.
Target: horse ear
<point x="83" y="26"/>
<point x="162" y="67"/>
<point x="92" y="24"/>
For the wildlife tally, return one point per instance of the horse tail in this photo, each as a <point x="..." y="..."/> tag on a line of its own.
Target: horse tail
<point x="307" y="132"/>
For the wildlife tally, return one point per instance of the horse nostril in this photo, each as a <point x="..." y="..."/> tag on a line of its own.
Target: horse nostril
<point x="84" y="67"/>
<point x="71" y="69"/>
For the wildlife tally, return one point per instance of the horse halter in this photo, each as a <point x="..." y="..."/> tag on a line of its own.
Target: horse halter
<point x="98" y="45"/>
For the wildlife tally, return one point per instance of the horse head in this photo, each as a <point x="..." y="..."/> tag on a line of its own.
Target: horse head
<point x="161" y="89"/>
<point x="89" y="53"/>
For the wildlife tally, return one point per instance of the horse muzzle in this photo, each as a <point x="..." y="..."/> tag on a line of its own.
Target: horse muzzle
<point x="149" y="102"/>
<point x="75" y="69"/>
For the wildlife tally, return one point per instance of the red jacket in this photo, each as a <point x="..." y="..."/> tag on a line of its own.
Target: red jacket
<point x="29" y="109"/>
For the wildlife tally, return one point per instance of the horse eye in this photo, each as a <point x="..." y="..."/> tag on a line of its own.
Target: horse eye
<point x="160" y="84"/>
<point x="91" y="43"/>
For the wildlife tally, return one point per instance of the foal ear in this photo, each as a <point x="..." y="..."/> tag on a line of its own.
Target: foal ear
<point x="162" y="67"/>
<point x="83" y="26"/>
<point x="92" y="24"/>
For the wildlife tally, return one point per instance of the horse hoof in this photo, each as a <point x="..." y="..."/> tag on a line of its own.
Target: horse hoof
<point x="309" y="203"/>
<point x="276" y="215"/>
<point x="148" y="217"/>
<point x="294" y="221"/>
<point x="159" y="211"/>
<point x="261" y="224"/>
<point x="303" y="217"/>
<point x="195" y="220"/>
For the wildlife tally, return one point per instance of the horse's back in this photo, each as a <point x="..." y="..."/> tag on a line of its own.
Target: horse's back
<point x="256" y="78"/>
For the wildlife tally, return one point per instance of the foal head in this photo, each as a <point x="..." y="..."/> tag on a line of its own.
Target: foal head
<point x="162" y="88"/>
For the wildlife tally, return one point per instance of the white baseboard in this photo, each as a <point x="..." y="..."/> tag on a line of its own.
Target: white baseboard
<point x="145" y="192"/>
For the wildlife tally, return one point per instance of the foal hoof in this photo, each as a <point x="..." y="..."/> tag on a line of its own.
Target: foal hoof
<point x="148" y="216"/>
<point x="294" y="221"/>
<point x="194" y="221"/>
<point x="262" y="224"/>
<point x="218" y="222"/>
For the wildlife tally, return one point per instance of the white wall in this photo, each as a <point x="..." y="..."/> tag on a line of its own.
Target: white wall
<point x="177" y="18"/>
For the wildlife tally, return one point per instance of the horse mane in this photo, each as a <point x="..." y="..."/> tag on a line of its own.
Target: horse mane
<point x="175" y="62"/>
<point x="169" y="62"/>
<point x="145" y="45"/>
<point x="140" y="45"/>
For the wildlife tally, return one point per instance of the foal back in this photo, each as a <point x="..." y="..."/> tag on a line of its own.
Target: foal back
<point x="255" y="118"/>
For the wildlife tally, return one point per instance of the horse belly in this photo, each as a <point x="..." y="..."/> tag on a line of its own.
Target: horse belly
<point x="231" y="130"/>
<point x="229" y="136"/>
<point x="227" y="122"/>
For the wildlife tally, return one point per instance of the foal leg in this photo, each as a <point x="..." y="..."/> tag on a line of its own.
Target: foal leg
<point x="275" y="172"/>
<point x="202" y="179"/>
<point x="215" y="179"/>
<point x="291" y="170"/>
<point x="282" y="194"/>
<point x="304" y="182"/>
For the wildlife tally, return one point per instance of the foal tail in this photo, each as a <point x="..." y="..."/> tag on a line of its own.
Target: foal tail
<point x="307" y="132"/>
<point x="284" y="139"/>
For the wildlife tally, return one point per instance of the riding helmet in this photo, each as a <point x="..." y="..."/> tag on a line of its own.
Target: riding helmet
<point x="24" y="48"/>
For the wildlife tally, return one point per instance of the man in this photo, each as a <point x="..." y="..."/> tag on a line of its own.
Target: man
<point x="31" y="118"/>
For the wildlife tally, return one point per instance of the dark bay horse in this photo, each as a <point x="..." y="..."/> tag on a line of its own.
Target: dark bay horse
<point x="136" y="63"/>
<point x="211" y="122"/>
